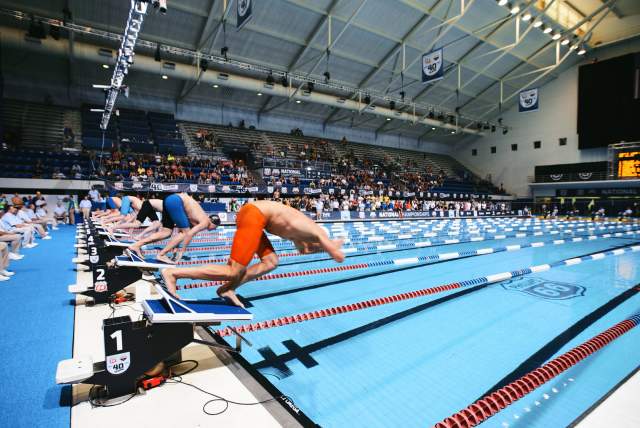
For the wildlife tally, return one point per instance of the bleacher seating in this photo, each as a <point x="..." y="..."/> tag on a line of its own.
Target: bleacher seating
<point x="30" y="163"/>
<point x="92" y="135"/>
<point x="34" y="125"/>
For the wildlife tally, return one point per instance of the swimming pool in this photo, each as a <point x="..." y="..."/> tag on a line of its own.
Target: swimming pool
<point x="420" y="356"/>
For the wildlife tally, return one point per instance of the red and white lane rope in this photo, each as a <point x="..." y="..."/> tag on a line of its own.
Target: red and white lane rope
<point x="493" y="403"/>
<point x="489" y="279"/>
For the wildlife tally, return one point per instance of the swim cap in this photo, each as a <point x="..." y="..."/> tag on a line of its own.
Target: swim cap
<point x="215" y="219"/>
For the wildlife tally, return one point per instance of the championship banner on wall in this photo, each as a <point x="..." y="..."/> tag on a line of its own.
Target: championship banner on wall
<point x="432" y="66"/>
<point x="528" y="100"/>
<point x="243" y="13"/>
<point x="233" y="189"/>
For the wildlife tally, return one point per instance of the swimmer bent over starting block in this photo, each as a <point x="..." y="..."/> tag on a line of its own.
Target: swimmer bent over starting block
<point x="180" y="211"/>
<point x="252" y="221"/>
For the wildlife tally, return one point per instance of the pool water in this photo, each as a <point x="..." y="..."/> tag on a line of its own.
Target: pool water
<point x="416" y="361"/>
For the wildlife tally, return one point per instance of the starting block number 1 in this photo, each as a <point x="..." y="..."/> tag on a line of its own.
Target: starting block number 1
<point x="117" y="335"/>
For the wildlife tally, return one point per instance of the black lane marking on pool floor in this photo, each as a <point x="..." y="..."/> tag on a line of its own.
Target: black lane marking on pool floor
<point x="551" y="348"/>
<point x="374" y="274"/>
<point x="302" y="352"/>
<point x="277" y="361"/>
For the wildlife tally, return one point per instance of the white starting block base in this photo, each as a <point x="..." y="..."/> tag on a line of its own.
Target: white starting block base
<point x="79" y="259"/>
<point x="74" y="370"/>
<point x="168" y="406"/>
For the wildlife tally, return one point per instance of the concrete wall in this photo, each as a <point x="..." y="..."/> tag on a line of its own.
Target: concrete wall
<point x="557" y="118"/>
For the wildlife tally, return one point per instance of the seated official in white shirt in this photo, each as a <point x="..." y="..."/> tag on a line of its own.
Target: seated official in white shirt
<point x="11" y="223"/>
<point x="29" y="217"/>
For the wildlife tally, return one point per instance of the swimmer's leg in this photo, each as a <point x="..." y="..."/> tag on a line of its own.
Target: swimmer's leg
<point x="158" y="236"/>
<point x="230" y="272"/>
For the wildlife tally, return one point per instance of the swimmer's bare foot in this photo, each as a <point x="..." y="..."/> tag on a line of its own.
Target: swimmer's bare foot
<point x="231" y="295"/>
<point x="164" y="259"/>
<point x="169" y="281"/>
<point x="136" y="250"/>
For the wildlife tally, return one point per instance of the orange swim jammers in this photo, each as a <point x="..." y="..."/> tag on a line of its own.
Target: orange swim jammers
<point x="250" y="238"/>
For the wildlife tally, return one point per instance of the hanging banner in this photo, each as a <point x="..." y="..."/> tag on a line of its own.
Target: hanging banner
<point x="243" y="13"/>
<point x="432" y="66"/>
<point x="528" y="100"/>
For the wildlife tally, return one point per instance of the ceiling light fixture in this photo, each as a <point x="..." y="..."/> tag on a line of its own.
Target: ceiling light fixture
<point x="105" y="66"/>
<point x="556" y="36"/>
<point x="547" y="30"/>
<point x="515" y="9"/>
<point x="502" y="2"/>
<point x="216" y="86"/>
<point x="526" y="17"/>
<point x="259" y="94"/>
<point x="165" y="77"/>
<point x="564" y="42"/>
<point x="298" y="101"/>
<point x="582" y="51"/>
<point x="537" y="23"/>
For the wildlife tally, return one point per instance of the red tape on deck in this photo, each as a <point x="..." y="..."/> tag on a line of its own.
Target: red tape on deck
<point x="491" y="404"/>
<point x="337" y="310"/>
<point x="278" y="276"/>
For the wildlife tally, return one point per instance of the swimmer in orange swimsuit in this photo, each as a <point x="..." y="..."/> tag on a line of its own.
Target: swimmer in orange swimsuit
<point x="252" y="221"/>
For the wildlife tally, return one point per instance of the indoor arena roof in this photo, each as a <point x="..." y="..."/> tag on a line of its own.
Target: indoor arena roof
<point x="484" y="44"/>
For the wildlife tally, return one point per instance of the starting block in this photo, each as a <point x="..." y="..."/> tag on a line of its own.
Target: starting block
<point x="135" y="347"/>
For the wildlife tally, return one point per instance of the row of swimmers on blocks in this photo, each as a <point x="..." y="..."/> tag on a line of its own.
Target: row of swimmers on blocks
<point x="180" y="218"/>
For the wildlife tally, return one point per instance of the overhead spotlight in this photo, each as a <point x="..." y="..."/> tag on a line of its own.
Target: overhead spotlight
<point x="259" y="94"/>
<point x="431" y="114"/>
<point x="388" y="119"/>
<point x="204" y="65"/>
<point x="270" y="80"/>
<point x="433" y="129"/>
<point x="453" y="132"/>
<point x="547" y="30"/>
<point x="224" y="51"/>
<point x="327" y="76"/>
<point x="367" y="99"/>
<point x="574" y="47"/>
<point x="564" y="42"/>
<point x="502" y="2"/>
<point x="157" y="56"/>
<point x="216" y="86"/>
<point x="526" y="17"/>
<point x="105" y="66"/>
<point x="515" y="9"/>
<point x="582" y="51"/>
<point x="310" y="87"/>
<point x="284" y="81"/>
<point x="165" y="77"/>
<point x="493" y="128"/>
<point x="504" y="131"/>
<point x="160" y="4"/>
<point x="298" y="101"/>
<point x="537" y="23"/>
<point x="392" y="105"/>
<point x="556" y="36"/>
